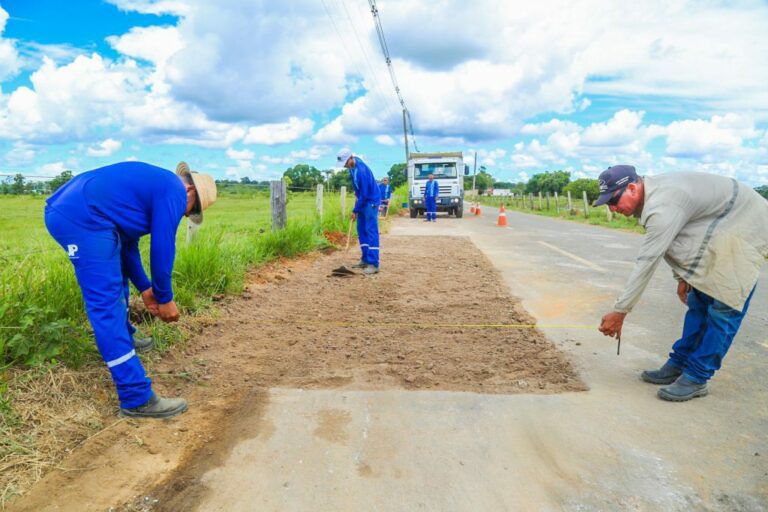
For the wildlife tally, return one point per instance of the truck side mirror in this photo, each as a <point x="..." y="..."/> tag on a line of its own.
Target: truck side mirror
<point x="466" y="170"/>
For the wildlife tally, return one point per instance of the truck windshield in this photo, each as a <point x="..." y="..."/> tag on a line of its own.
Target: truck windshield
<point x="439" y="169"/>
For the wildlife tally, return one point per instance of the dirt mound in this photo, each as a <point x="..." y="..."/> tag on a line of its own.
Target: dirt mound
<point x="436" y="317"/>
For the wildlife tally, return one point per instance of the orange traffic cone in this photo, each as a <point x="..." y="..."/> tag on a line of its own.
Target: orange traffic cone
<point x="472" y="208"/>
<point x="477" y="209"/>
<point x="502" y="222"/>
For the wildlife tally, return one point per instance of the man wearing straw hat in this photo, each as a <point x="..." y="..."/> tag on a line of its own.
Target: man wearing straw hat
<point x="366" y="210"/>
<point x="98" y="218"/>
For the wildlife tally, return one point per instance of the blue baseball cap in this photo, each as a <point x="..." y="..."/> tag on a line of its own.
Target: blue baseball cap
<point x="613" y="179"/>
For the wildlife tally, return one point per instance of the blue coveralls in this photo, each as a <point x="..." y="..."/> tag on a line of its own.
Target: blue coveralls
<point x="98" y="218"/>
<point x="367" y="210"/>
<point x="385" y="191"/>
<point x="431" y="193"/>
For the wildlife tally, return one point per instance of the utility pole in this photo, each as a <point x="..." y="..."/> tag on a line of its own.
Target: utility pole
<point x="474" y="173"/>
<point x="405" y="135"/>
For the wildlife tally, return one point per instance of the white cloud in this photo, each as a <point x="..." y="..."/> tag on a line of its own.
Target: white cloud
<point x="105" y="148"/>
<point x="245" y="154"/>
<point x="9" y="58"/>
<point x="620" y="130"/>
<point x="279" y="133"/>
<point x="53" y="169"/>
<point x="722" y="136"/>
<point x="21" y="154"/>
<point x="333" y="133"/>
<point x="385" y="140"/>
<point x="551" y="126"/>
<point x="154" y="44"/>
<point x="157" y="7"/>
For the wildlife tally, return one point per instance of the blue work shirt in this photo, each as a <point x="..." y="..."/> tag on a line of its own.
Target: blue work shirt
<point x="432" y="190"/>
<point x="134" y="199"/>
<point x="364" y="183"/>
<point x="385" y="191"/>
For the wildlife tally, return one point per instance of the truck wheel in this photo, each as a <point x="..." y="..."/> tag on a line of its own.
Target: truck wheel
<point x="414" y="212"/>
<point x="459" y="212"/>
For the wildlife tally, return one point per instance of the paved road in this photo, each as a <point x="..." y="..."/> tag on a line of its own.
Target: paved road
<point x="614" y="447"/>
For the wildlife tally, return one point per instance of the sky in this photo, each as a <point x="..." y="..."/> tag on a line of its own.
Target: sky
<point x="242" y="88"/>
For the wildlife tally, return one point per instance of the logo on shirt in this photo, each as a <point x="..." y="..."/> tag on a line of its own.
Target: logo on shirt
<point x="71" y="250"/>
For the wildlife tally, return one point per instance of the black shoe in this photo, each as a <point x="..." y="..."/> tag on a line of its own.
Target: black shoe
<point x="157" y="407"/>
<point x="370" y="270"/>
<point x="667" y="374"/>
<point x="683" y="389"/>
<point x="142" y="345"/>
<point x="359" y="264"/>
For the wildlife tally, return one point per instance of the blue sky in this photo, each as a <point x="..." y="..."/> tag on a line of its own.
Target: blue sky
<point x="242" y="88"/>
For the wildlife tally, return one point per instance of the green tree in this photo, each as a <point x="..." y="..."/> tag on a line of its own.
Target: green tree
<point x="483" y="181"/>
<point x="548" y="182"/>
<point x="576" y="188"/>
<point x="762" y="190"/>
<point x="59" y="180"/>
<point x="18" y="184"/>
<point x="303" y="176"/>
<point x="397" y="175"/>
<point x="340" y="179"/>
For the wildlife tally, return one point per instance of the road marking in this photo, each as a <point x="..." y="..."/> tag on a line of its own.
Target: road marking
<point x="573" y="257"/>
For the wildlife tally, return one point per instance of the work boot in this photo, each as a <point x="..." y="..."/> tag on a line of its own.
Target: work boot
<point x="370" y="270"/>
<point x="157" y="407"/>
<point x="142" y="345"/>
<point x="683" y="389"/>
<point x="667" y="374"/>
<point x="360" y="264"/>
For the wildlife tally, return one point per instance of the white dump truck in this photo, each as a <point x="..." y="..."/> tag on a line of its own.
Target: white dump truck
<point x="449" y="171"/>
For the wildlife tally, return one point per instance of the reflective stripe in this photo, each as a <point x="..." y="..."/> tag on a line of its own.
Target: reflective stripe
<point x="363" y="245"/>
<point x="373" y="248"/>
<point x="121" y="360"/>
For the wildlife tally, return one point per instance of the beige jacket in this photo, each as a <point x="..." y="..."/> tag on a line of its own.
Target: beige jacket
<point x="712" y="231"/>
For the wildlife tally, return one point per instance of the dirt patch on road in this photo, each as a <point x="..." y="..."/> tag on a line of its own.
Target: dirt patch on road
<point x="436" y="317"/>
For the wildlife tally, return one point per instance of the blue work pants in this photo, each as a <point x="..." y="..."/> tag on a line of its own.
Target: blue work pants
<point x="95" y="254"/>
<point x="368" y="233"/>
<point x="709" y="329"/>
<point x="431" y="204"/>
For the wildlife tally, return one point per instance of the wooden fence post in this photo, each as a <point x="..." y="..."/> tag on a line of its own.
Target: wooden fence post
<point x="319" y="201"/>
<point x="586" y="204"/>
<point x="557" y="204"/>
<point x="278" y="199"/>
<point x="191" y="230"/>
<point x="343" y="199"/>
<point x="530" y="196"/>
<point x="570" y="204"/>
<point x="540" y="205"/>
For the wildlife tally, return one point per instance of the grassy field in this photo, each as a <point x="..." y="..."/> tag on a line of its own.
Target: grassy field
<point x="42" y="319"/>
<point x="597" y="216"/>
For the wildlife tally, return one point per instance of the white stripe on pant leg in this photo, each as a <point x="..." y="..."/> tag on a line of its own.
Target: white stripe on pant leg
<point x="121" y="360"/>
<point x="373" y="248"/>
<point x="363" y="245"/>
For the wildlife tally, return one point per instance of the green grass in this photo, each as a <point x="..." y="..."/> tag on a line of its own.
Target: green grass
<point x="42" y="317"/>
<point x="598" y="216"/>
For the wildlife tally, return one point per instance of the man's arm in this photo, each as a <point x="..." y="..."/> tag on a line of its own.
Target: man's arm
<point x="131" y="258"/>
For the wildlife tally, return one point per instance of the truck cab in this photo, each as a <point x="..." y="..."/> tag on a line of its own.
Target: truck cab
<point x="449" y="171"/>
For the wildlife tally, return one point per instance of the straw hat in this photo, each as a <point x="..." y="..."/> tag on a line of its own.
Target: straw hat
<point x="205" y="190"/>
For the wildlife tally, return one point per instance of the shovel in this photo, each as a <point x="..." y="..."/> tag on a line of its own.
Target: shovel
<point x="343" y="271"/>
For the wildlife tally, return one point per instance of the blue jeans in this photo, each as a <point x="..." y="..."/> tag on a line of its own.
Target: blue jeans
<point x="709" y="329"/>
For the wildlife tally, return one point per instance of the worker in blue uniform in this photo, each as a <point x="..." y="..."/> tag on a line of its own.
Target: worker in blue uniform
<point x="385" y="191"/>
<point x="98" y="217"/>
<point x="366" y="210"/>
<point x="431" y="193"/>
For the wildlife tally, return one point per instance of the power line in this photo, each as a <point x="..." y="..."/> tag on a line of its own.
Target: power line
<point x="376" y="89"/>
<point x="385" y="51"/>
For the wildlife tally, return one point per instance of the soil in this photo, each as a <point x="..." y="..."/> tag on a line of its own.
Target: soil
<point x="437" y="317"/>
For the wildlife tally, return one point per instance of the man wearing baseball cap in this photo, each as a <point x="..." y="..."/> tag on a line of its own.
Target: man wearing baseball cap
<point x="98" y="218"/>
<point x="713" y="233"/>
<point x="366" y="210"/>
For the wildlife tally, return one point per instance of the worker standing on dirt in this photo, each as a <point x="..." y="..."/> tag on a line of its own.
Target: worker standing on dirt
<point x="431" y="193"/>
<point x="366" y="210"/>
<point x="713" y="232"/>
<point x="98" y="218"/>
<point x="385" y="191"/>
